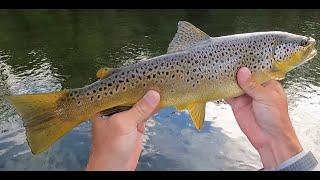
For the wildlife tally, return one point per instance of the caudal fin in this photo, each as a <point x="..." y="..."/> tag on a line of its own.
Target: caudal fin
<point x="41" y="119"/>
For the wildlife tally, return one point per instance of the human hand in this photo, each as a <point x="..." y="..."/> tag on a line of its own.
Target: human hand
<point x="262" y="115"/>
<point x="117" y="140"/>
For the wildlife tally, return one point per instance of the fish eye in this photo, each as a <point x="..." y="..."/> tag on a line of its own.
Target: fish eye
<point x="304" y="42"/>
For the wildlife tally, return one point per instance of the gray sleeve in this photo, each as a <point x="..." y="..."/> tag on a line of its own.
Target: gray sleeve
<point x="305" y="163"/>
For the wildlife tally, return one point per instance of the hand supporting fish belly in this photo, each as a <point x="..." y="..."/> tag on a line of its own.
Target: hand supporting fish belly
<point x="196" y="69"/>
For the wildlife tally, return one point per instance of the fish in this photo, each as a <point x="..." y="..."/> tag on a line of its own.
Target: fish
<point x="197" y="68"/>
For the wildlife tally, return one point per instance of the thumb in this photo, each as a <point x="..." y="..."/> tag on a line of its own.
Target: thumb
<point x="249" y="85"/>
<point x="145" y="107"/>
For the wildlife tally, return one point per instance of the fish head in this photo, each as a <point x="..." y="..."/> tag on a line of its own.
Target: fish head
<point x="291" y="50"/>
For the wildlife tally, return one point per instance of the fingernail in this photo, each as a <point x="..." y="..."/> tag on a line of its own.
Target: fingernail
<point x="244" y="74"/>
<point x="152" y="97"/>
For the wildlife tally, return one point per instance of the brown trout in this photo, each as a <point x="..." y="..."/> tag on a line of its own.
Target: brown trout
<point x="196" y="69"/>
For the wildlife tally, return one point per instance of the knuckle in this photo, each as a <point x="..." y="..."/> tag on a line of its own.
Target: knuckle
<point x="251" y="86"/>
<point x="140" y="110"/>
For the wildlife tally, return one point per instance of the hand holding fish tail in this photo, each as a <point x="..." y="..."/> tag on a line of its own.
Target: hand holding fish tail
<point x="262" y="114"/>
<point x="117" y="140"/>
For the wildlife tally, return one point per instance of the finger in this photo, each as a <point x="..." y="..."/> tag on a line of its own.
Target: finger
<point x="230" y="100"/>
<point x="274" y="85"/>
<point x="249" y="85"/>
<point x="141" y="127"/>
<point x="239" y="102"/>
<point x="143" y="109"/>
<point x="98" y="118"/>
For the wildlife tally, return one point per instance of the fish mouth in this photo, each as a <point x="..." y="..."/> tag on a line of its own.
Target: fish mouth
<point x="311" y="51"/>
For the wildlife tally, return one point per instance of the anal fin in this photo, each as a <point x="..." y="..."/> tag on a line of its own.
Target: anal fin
<point x="114" y="110"/>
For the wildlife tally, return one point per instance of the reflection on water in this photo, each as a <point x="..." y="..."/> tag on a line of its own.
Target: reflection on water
<point x="49" y="50"/>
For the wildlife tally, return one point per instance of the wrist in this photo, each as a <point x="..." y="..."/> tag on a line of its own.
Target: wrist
<point x="104" y="163"/>
<point x="278" y="150"/>
<point x="285" y="148"/>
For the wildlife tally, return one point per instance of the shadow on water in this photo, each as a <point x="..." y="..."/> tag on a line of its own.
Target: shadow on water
<point x="49" y="50"/>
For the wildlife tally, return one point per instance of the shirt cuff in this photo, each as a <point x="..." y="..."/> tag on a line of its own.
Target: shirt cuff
<point x="291" y="160"/>
<point x="301" y="161"/>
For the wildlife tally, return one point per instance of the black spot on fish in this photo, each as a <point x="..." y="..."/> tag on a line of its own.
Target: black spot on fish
<point x="100" y="89"/>
<point x="94" y="91"/>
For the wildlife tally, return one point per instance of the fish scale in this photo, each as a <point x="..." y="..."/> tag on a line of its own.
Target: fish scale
<point x="196" y="69"/>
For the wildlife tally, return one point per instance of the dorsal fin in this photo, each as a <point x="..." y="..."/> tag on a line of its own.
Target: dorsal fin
<point x="186" y="36"/>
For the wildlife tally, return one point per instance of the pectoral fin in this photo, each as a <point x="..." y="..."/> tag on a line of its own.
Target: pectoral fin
<point x="278" y="75"/>
<point x="197" y="113"/>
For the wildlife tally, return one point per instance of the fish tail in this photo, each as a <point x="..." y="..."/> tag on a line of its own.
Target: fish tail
<point x="44" y="126"/>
